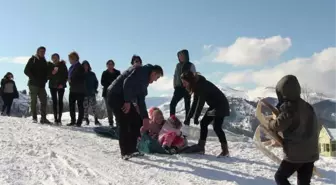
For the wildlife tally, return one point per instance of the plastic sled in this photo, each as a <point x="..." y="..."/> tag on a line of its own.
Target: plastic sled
<point x="107" y="131"/>
<point x="147" y="144"/>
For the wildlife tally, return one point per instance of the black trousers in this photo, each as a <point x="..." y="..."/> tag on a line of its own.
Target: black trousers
<point x="57" y="99"/>
<point x="79" y="99"/>
<point x="7" y="102"/>
<point x="286" y="169"/>
<point x="129" y="125"/>
<point x="217" y="126"/>
<point x="179" y="93"/>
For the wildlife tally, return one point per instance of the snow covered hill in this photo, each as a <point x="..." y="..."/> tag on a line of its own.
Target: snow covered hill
<point x="33" y="154"/>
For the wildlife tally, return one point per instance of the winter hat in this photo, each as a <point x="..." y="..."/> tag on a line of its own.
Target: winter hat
<point x="175" y="121"/>
<point x="151" y="111"/>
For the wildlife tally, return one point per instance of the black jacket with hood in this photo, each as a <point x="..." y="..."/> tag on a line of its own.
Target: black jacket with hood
<point x="107" y="78"/>
<point x="182" y="67"/>
<point x="132" y="86"/>
<point x="37" y="71"/>
<point x="297" y="121"/>
<point x="61" y="77"/>
<point x="91" y="81"/>
<point x="207" y="92"/>
<point x="5" y="82"/>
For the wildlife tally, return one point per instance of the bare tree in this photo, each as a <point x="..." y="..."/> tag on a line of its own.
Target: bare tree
<point x="306" y="93"/>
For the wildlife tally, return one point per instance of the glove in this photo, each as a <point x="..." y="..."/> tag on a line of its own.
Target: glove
<point x="196" y="122"/>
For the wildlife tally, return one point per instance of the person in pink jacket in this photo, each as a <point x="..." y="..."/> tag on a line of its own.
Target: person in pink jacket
<point x="170" y="136"/>
<point x="156" y="122"/>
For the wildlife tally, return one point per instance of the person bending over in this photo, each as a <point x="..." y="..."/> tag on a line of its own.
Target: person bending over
<point x="131" y="86"/>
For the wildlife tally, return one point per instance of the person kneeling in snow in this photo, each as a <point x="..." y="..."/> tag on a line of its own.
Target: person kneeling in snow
<point x="170" y="136"/>
<point x="298" y="123"/>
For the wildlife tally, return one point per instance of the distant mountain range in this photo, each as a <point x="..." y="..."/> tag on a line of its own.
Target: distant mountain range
<point x="242" y="104"/>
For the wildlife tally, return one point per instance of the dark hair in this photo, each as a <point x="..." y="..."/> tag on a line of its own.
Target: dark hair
<point x="110" y="61"/>
<point x="39" y="48"/>
<point x="136" y="58"/>
<point x="7" y="74"/>
<point x="191" y="78"/>
<point x="74" y="54"/>
<point x="55" y="54"/>
<point x="157" y="69"/>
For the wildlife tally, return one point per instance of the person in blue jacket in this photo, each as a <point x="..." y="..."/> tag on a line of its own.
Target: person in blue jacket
<point x="91" y="89"/>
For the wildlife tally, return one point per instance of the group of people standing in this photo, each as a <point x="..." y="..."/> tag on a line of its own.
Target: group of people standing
<point x="82" y="81"/>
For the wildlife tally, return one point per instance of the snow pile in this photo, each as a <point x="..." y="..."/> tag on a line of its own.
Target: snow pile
<point x="39" y="154"/>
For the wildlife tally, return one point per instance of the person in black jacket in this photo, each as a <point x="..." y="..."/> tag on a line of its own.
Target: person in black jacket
<point x="180" y="92"/>
<point x="91" y="89"/>
<point x="37" y="71"/>
<point x="131" y="86"/>
<point x="206" y="92"/>
<point x="76" y="79"/>
<point x="8" y="92"/>
<point x="107" y="78"/>
<point x="57" y="83"/>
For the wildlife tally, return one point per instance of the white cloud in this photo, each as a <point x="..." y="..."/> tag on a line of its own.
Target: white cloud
<point x="234" y="78"/>
<point x="196" y="62"/>
<point x="163" y="84"/>
<point x="18" y="60"/>
<point x="252" y="51"/>
<point x="207" y="47"/>
<point x="317" y="72"/>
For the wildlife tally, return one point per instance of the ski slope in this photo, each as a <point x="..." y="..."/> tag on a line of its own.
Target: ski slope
<point x="34" y="154"/>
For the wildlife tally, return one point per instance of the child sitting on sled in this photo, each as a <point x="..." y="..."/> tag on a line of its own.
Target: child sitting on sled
<point x="156" y="122"/>
<point x="170" y="136"/>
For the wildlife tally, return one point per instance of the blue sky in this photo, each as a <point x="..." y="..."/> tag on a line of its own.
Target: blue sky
<point x="156" y="30"/>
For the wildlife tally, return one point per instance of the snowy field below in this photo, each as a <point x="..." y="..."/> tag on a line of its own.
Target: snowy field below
<point x="34" y="154"/>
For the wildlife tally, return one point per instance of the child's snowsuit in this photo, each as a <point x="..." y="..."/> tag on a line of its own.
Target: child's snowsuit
<point x="171" y="135"/>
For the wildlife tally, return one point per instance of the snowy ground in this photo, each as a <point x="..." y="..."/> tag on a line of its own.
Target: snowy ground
<point x="38" y="154"/>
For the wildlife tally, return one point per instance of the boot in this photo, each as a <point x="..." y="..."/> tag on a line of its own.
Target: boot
<point x="71" y="124"/>
<point x="59" y="119"/>
<point x="55" y="120"/>
<point x="97" y="121"/>
<point x="197" y="148"/>
<point x="87" y="121"/>
<point x="45" y="121"/>
<point x="201" y="145"/>
<point x="225" y="151"/>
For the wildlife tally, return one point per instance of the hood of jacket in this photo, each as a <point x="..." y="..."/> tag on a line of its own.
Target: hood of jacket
<point x="288" y="89"/>
<point x="185" y="53"/>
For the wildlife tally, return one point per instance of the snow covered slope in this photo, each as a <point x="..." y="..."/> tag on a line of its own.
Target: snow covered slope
<point x="39" y="154"/>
